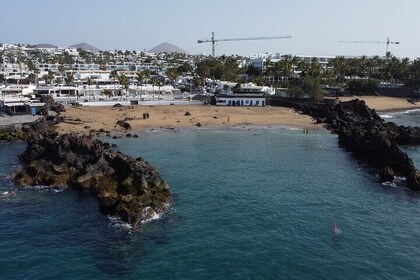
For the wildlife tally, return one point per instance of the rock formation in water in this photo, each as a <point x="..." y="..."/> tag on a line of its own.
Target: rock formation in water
<point x="128" y="188"/>
<point x="372" y="140"/>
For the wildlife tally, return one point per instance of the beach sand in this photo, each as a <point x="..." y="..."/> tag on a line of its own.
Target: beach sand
<point x="385" y="104"/>
<point x="85" y="119"/>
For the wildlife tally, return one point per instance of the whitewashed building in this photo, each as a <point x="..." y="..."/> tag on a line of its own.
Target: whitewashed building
<point x="252" y="96"/>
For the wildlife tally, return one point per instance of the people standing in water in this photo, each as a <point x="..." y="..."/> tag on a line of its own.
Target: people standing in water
<point x="335" y="228"/>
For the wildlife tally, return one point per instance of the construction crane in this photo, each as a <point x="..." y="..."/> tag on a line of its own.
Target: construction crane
<point x="213" y="40"/>
<point x="374" y="42"/>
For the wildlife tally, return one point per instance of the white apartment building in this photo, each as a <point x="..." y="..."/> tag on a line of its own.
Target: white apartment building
<point x="260" y="60"/>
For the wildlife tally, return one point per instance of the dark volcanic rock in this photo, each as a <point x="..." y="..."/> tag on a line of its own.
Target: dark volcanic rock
<point x="124" y="124"/>
<point x="386" y="174"/>
<point x="50" y="104"/>
<point x="362" y="131"/>
<point x="11" y="134"/>
<point x="128" y="188"/>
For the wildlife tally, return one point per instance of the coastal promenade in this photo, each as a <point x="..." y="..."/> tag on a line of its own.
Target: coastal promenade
<point x="6" y="120"/>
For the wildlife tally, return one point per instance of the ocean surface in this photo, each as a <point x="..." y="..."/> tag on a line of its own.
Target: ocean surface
<point x="257" y="203"/>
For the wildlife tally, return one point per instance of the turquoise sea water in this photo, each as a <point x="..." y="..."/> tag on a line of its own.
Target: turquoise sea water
<point x="248" y="204"/>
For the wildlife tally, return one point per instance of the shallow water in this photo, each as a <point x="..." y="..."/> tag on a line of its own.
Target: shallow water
<point x="256" y="203"/>
<point x="407" y="118"/>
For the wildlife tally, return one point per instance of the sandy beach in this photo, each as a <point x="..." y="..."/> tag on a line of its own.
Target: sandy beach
<point x="85" y="119"/>
<point x="385" y="104"/>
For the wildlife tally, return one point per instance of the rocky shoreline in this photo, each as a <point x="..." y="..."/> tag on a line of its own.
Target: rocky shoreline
<point x="370" y="139"/>
<point x="128" y="188"/>
<point x="134" y="191"/>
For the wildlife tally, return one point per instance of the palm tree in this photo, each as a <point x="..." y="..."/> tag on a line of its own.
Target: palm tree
<point x="36" y="72"/>
<point x="124" y="82"/>
<point x="340" y="67"/>
<point x="107" y="92"/>
<point x="155" y="81"/>
<point x="315" y="69"/>
<point x="32" y="78"/>
<point x="146" y="74"/>
<point x="413" y="79"/>
<point x="89" y="81"/>
<point x="283" y="68"/>
<point x="230" y="68"/>
<point x="61" y="69"/>
<point x="270" y="71"/>
<point x="69" y="78"/>
<point x="48" y="77"/>
<point x="302" y="67"/>
<point x="113" y="76"/>
<point x="140" y="75"/>
<point x="378" y="65"/>
<point x="172" y="74"/>
<point x="405" y="68"/>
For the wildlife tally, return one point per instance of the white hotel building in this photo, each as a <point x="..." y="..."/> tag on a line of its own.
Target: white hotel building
<point x="260" y="60"/>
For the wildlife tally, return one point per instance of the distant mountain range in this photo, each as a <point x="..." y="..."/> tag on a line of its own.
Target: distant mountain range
<point x="84" y="46"/>
<point x="167" y="48"/>
<point x="162" y="48"/>
<point x="49" y="46"/>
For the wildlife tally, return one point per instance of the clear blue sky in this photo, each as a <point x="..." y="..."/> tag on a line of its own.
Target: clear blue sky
<point x="315" y="25"/>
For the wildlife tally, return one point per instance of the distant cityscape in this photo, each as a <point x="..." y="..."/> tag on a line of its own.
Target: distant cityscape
<point x="84" y="74"/>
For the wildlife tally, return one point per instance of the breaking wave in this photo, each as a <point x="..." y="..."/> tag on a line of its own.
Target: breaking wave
<point x="119" y="224"/>
<point x="393" y="114"/>
<point x="398" y="182"/>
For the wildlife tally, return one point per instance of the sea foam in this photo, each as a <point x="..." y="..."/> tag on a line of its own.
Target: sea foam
<point x="398" y="182"/>
<point x="393" y="114"/>
<point x="149" y="215"/>
<point x="118" y="224"/>
<point x="47" y="188"/>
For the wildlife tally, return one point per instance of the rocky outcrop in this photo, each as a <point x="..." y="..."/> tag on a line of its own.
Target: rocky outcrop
<point x="128" y="188"/>
<point x="362" y="131"/>
<point x="11" y="134"/>
<point x="51" y="105"/>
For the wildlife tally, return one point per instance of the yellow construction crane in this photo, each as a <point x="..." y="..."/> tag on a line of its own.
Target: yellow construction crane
<point x="213" y="40"/>
<point x="387" y="42"/>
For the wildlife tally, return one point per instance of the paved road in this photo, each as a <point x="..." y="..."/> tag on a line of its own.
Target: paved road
<point x="12" y="120"/>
